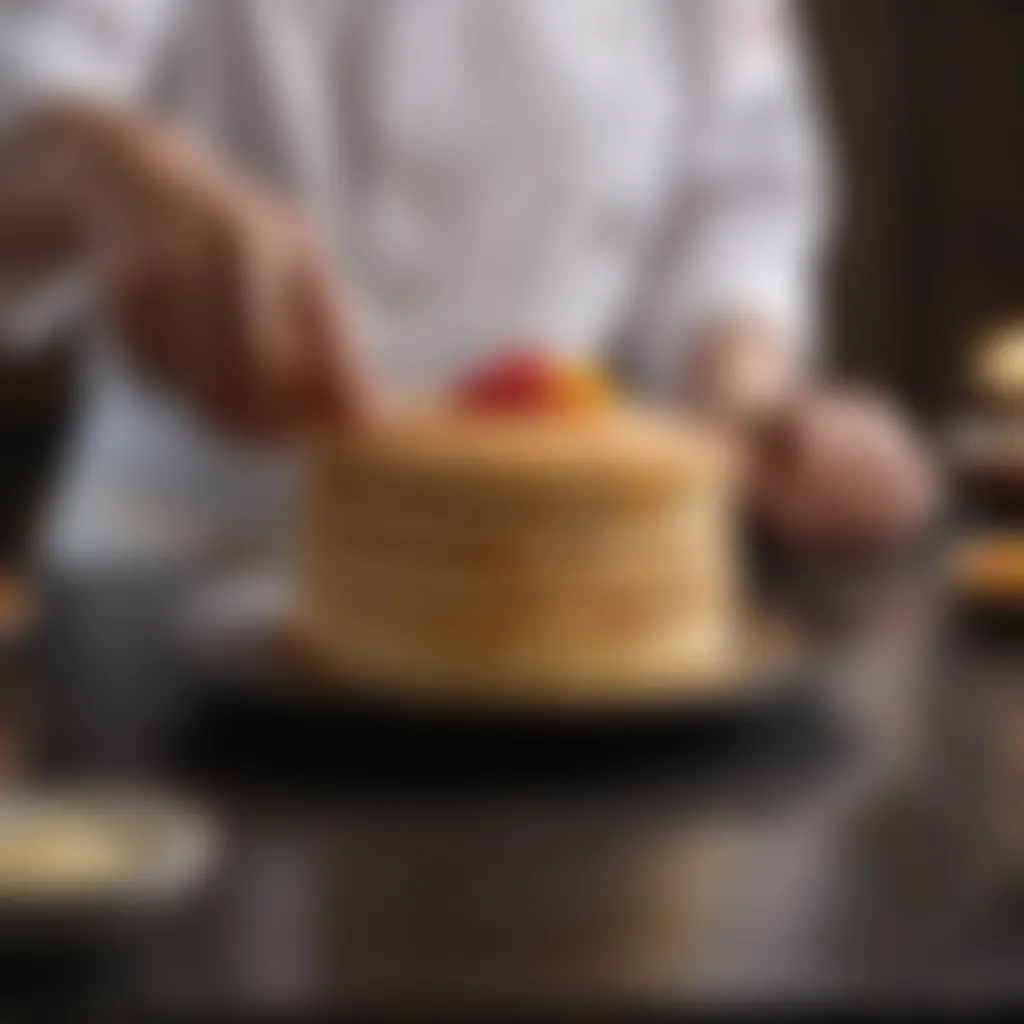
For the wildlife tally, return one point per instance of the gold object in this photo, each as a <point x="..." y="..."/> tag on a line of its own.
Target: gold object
<point x="990" y="567"/>
<point x="999" y="365"/>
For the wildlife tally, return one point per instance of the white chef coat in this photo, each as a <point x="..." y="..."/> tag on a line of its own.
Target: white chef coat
<point x="596" y="172"/>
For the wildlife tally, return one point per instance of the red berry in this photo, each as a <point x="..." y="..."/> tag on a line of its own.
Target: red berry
<point x="524" y="380"/>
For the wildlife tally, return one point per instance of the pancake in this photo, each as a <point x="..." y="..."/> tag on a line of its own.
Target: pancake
<point x="448" y="552"/>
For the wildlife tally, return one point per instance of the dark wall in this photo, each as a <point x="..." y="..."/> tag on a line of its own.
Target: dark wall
<point x="927" y="104"/>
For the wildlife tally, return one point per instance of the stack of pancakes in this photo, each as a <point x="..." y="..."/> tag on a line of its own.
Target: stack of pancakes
<point x="451" y="553"/>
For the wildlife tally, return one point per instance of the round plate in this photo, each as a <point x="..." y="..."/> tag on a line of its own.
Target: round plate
<point x="242" y="634"/>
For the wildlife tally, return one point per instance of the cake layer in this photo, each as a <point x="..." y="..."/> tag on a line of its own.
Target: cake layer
<point x="614" y="452"/>
<point x="698" y="657"/>
<point x="505" y="546"/>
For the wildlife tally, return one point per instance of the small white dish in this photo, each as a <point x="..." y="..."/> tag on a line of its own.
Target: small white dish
<point x="87" y="849"/>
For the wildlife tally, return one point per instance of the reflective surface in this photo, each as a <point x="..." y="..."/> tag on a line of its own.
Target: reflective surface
<point x="862" y="840"/>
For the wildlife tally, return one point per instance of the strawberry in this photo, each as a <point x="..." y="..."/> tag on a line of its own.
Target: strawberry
<point x="523" y="381"/>
<point x="530" y="381"/>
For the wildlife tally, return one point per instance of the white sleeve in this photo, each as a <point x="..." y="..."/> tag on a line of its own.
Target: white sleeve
<point x="92" y="47"/>
<point x="747" y="218"/>
<point x="55" y="48"/>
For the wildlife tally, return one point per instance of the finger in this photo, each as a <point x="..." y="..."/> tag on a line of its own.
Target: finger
<point x="831" y="471"/>
<point x="195" y="322"/>
<point x="138" y="299"/>
<point x="265" y="322"/>
<point x="874" y="441"/>
<point x="241" y="305"/>
<point x="893" y="499"/>
<point x="336" y="383"/>
<point x="913" y="491"/>
<point x="786" y="481"/>
<point x="784" y="500"/>
<point x="239" y="395"/>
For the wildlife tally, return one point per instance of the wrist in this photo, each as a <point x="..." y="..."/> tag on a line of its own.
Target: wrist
<point x="743" y="373"/>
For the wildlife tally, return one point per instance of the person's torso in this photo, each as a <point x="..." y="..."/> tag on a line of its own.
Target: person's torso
<point x="484" y="170"/>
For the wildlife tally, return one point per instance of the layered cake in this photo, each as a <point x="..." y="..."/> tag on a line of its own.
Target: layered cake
<point x="523" y="542"/>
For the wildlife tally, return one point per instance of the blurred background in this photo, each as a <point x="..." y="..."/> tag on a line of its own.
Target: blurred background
<point x="924" y="98"/>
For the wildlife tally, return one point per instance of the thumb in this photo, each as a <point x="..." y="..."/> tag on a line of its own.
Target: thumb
<point x="340" y="387"/>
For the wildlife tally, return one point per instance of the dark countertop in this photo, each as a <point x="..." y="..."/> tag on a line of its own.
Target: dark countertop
<point x="854" y="839"/>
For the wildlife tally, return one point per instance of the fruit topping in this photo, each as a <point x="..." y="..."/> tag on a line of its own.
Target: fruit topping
<point x="531" y="381"/>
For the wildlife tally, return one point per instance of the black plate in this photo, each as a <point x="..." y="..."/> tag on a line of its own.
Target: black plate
<point x="258" y="708"/>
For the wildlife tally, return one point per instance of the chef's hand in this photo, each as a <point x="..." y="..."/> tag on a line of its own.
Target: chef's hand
<point x="831" y="470"/>
<point x="840" y="472"/>
<point x="218" y="288"/>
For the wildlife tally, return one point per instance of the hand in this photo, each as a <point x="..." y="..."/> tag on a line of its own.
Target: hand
<point x="218" y="288"/>
<point x="838" y="472"/>
<point x="829" y="470"/>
